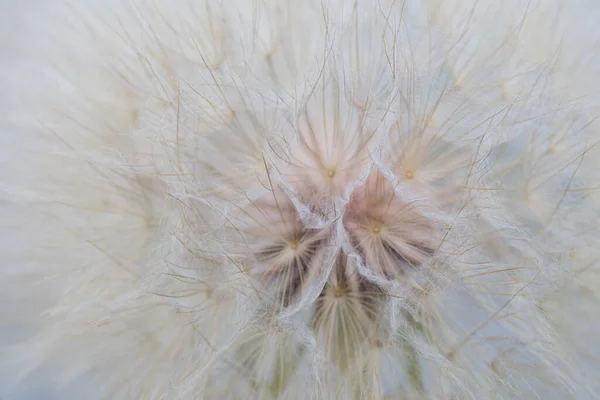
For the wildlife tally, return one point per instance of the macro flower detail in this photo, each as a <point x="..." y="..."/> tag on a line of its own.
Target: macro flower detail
<point x="347" y="312"/>
<point x="319" y="199"/>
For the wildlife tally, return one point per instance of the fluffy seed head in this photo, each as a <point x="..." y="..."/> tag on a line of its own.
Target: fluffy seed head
<point x="316" y="199"/>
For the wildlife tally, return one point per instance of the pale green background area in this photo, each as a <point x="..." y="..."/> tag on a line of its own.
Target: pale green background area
<point x="31" y="389"/>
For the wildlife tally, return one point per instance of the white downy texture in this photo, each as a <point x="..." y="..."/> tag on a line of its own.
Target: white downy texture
<point x="315" y="199"/>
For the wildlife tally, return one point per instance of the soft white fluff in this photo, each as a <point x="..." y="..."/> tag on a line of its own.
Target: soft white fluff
<point x="300" y="199"/>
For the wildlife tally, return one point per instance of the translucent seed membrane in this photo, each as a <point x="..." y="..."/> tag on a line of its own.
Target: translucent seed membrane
<point x="346" y="313"/>
<point x="282" y="254"/>
<point x="391" y="235"/>
<point x="288" y="263"/>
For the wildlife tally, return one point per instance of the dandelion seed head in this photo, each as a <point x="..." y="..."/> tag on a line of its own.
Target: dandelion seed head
<point x="279" y="200"/>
